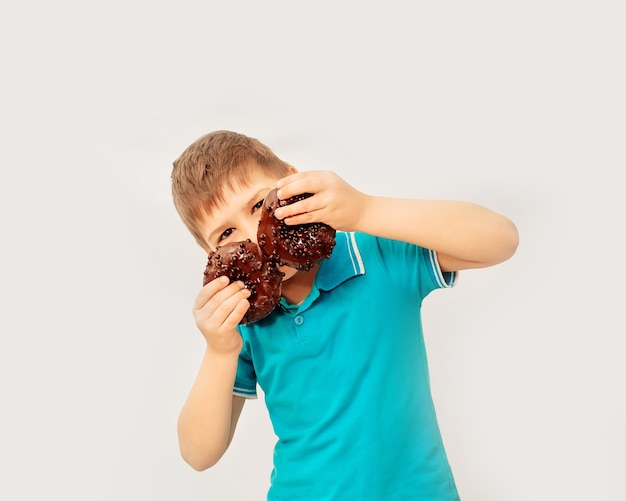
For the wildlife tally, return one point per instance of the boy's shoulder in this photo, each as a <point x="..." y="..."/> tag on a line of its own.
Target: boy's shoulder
<point x="355" y="253"/>
<point x="403" y="263"/>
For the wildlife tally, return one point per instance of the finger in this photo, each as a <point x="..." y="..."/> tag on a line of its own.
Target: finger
<point x="235" y="316"/>
<point x="224" y="307"/>
<point x="221" y="306"/>
<point x="209" y="299"/>
<point x="309" y="204"/>
<point x="219" y="309"/>
<point x="296" y="184"/>
<point x="297" y="187"/>
<point x="209" y="290"/>
<point x="316" y="216"/>
<point x="293" y="177"/>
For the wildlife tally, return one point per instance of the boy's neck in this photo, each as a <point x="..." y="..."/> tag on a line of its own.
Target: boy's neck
<point x="297" y="288"/>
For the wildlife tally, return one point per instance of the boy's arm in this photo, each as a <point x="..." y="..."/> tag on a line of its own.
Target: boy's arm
<point x="464" y="234"/>
<point x="208" y="419"/>
<point x="209" y="416"/>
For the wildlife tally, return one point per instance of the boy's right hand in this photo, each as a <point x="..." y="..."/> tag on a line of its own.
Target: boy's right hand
<point x="218" y="309"/>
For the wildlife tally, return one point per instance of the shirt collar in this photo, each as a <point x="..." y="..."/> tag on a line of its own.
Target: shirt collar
<point x="344" y="263"/>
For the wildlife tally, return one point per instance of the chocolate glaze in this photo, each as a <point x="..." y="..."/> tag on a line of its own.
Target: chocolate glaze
<point x="243" y="261"/>
<point x="298" y="246"/>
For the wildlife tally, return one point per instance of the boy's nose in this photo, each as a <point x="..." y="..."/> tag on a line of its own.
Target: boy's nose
<point x="250" y="230"/>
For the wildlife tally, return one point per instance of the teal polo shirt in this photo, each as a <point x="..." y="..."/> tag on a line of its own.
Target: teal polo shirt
<point x="345" y="379"/>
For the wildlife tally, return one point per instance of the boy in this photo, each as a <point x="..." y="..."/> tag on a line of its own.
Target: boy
<point x="341" y="361"/>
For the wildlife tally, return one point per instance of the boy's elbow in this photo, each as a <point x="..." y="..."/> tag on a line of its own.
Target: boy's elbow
<point x="509" y="240"/>
<point x="199" y="462"/>
<point x="200" y="466"/>
<point x="200" y="454"/>
<point x="199" y="449"/>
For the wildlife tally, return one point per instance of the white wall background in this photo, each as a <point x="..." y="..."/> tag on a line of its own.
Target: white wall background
<point x="516" y="105"/>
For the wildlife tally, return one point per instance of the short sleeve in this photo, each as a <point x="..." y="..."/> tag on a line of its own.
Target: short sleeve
<point x="440" y="279"/>
<point x="245" y="380"/>
<point x="414" y="269"/>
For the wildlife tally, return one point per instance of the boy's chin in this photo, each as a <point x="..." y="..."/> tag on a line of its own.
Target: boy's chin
<point x="288" y="271"/>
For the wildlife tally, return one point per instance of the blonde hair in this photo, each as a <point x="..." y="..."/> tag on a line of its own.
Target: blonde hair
<point x="213" y="164"/>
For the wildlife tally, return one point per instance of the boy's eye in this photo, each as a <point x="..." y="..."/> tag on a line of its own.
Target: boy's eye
<point x="226" y="234"/>
<point x="258" y="205"/>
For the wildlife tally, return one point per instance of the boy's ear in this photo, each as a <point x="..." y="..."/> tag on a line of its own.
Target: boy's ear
<point x="292" y="170"/>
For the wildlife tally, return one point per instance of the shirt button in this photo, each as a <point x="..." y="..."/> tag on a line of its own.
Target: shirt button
<point x="299" y="320"/>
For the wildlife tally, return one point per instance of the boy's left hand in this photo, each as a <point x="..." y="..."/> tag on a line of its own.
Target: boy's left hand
<point x="334" y="202"/>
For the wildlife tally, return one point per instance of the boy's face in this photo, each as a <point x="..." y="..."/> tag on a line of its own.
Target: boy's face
<point x="238" y="217"/>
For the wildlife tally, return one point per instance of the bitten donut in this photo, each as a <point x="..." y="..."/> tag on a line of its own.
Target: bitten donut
<point x="298" y="246"/>
<point x="243" y="261"/>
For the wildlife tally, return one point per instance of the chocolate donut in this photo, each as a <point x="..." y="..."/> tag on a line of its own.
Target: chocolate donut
<point x="243" y="261"/>
<point x="298" y="246"/>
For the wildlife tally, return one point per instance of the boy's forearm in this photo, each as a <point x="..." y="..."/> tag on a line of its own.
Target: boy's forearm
<point x="204" y="424"/>
<point x="460" y="229"/>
